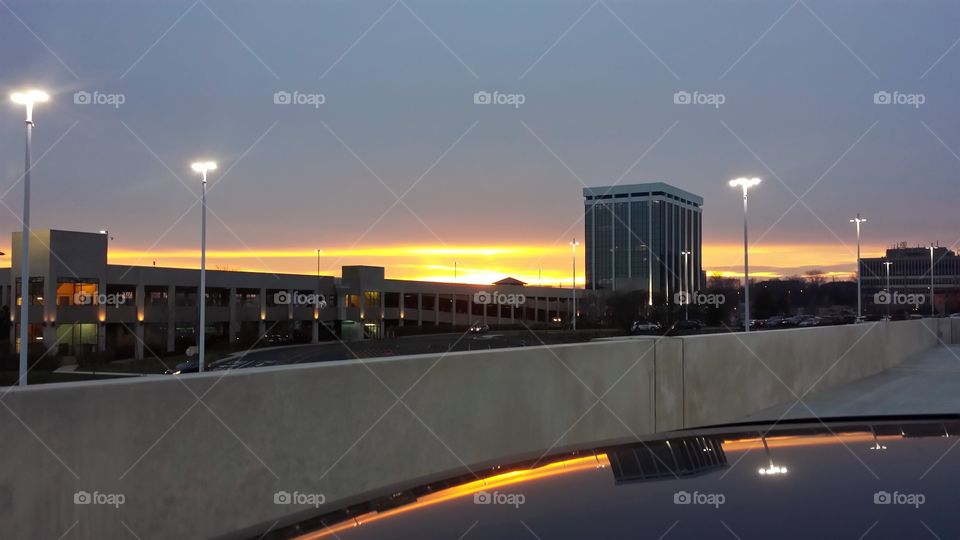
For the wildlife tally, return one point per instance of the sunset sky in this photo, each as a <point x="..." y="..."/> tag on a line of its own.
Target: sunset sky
<point x="495" y="188"/>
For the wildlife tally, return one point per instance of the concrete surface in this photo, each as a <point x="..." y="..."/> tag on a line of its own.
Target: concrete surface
<point x="210" y="468"/>
<point x="928" y="383"/>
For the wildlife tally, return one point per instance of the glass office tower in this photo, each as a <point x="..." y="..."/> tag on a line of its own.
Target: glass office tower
<point x="635" y="236"/>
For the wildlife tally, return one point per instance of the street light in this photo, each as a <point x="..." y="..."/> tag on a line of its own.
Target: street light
<point x="686" y="287"/>
<point x="203" y="167"/>
<point x="887" y="265"/>
<point x="319" y="251"/>
<point x="28" y="99"/>
<point x="933" y="303"/>
<point x="858" y="220"/>
<point x="745" y="184"/>
<point x="573" y="286"/>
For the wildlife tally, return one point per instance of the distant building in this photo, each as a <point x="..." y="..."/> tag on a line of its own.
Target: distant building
<point x="79" y="304"/>
<point x="635" y="236"/>
<point x="910" y="274"/>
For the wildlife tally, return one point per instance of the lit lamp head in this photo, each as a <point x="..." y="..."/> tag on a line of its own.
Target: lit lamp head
<point x="745" y="183"/>
<point x="28" y="99"/>
<point x="203" y="167"/>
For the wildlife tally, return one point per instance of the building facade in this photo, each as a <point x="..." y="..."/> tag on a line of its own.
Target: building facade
<point x="636" y="236"/>
<point x="910" y="270"/>
<point x="79" y="304"/>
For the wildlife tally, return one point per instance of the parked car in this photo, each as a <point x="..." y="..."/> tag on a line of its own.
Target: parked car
<point x="690" y="324"/>
<point x="644" y="326"/>
<point x="774" y="322"/>
<point x="190" y="366"/>
<point x="811" y="321"/>
<point x="758" y="324"/>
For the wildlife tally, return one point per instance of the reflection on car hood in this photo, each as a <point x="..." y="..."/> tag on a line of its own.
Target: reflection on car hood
<point x="882" y="479"/>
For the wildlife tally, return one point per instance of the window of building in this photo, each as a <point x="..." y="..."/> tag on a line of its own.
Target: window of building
<point x="277" y="297"/>
<point x="155" y="295"/>
<point x="248" y="297"/>
<point x="391" y="300"/>
<point x="72" y="292"/>
<point x="410" y="301"/>
<point x="428" y="302"/>
<point x="121" y="295"/>
<point x="352" y="300"/>
<point x="371" y="299"/>
<point x="185" y="296"/>
<point x="218" y="297"/>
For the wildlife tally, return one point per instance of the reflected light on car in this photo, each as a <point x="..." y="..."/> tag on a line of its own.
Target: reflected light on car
<point x="556" y="468"/>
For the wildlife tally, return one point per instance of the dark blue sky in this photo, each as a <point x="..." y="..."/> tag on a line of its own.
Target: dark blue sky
<point x="198" y="79"/>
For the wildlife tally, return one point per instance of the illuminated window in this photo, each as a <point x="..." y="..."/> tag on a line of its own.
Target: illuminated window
<point x="76" y="293"/>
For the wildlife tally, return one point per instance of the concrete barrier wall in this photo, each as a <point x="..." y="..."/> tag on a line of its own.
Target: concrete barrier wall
<point x="729" y="376"/>
<point x="190" y="469"/>
<point x="207" y="467"/>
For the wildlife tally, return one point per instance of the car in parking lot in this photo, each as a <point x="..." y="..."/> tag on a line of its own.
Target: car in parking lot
<point x="644" y="326"/>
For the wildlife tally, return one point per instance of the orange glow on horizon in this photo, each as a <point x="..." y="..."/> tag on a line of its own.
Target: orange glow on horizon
<point x="539" y="264"/>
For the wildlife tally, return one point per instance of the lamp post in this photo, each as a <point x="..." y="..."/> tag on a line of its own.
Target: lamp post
<point x="650" y="253"/>
<point x="573" y="285"/>
<point x="319" y="251"/>
<point x="203" y="167"/>
<point x="686" y="286"/>
<point x="933" y="303"/>
<point x="28" y="99"/>
<point x="745" y="184"/>
<point x="858" y="220"/>
<point x="887" y="264"/>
